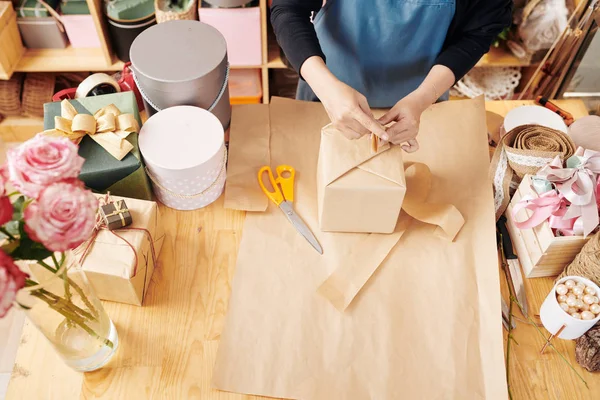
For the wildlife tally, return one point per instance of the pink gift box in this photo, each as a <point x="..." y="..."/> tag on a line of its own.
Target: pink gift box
<point x="81" y="30"/>
<point x="241" y="29"/>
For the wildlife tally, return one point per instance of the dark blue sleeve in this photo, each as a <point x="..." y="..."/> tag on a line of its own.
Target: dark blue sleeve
<point x="474" y="29"/>
<point x="291" y="20"/>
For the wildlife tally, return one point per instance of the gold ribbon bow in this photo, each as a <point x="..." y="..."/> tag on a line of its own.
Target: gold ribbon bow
<point x="107" y="127"/>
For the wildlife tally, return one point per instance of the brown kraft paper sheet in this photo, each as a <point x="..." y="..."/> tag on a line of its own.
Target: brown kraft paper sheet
<point x="425" y="325"/>
<point x="248" y="152"/>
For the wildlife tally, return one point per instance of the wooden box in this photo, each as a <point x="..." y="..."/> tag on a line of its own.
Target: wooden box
<point x="540" y="252"/>
<point x="11" y="46"/>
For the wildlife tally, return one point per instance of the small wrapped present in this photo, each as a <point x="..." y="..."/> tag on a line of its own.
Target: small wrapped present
<point x="119" y="263"/>
<point x="103" y="171"/>
<point x="359" y="190"/>
<point x="116" y="215"/>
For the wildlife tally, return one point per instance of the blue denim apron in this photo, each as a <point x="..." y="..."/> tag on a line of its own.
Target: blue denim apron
<point x="382" y="48"/>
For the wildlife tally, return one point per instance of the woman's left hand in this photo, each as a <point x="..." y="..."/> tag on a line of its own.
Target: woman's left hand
<point x="406" y="114"/>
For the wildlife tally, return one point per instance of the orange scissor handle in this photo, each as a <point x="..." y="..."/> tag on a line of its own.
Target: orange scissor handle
<point x="276" y="196"/>
<point x="285" y="177"/>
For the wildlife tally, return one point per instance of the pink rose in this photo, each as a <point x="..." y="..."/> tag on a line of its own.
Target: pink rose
<point x="11" y="280"/>
<point x="42" y="161"/>
<point x="6" y="210"/>
<point x="3" y="179"/>
<point x="63" y="216"/>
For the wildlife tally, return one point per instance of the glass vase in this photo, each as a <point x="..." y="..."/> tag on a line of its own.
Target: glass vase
<point x="61" y="303"/>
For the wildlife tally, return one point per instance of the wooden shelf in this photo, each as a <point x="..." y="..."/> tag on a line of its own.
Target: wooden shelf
<point x="69" y="59"/>
<point x="501" y="57"/>
<point x="274" y="54"/>
<point x="20" y="129"/>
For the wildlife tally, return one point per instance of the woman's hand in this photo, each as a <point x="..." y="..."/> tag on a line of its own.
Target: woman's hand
<point x="348" y="110"/>
<point x="406" y="114"/>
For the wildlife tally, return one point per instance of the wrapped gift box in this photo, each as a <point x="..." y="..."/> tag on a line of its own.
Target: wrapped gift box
<point x="241" y="29"/>
<point x="42" y="33"/>
<point x="102" y="172"/>
<point x="359" y="189"/>
<point x="110" y="264"/>
<point x="11" y="47"/>
<point x="81" y="30"/>
<point x="540" y="252"/>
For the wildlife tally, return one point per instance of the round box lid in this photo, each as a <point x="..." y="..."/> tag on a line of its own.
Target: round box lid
<point x="181" y="137"/>
<point x="178" y="51"/>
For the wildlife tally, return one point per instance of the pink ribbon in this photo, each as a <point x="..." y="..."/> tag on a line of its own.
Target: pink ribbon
<point x="578" y="185"/>
<point x="550" y="206"/>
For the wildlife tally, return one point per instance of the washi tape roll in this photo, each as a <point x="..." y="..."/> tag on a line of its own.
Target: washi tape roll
<point x="184" y="151"/>
<point x="97" y="84"/>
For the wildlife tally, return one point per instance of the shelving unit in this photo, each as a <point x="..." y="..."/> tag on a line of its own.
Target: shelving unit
<point x="103" y="59"/>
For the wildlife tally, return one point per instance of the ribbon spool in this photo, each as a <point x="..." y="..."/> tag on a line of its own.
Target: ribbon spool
<point x="96" y="85"/>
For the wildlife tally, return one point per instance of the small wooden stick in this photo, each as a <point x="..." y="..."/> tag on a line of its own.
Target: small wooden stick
<point x="562" y="328"/>
<point x="374" y="143"/>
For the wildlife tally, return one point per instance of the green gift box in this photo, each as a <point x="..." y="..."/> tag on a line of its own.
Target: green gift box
<point x="102" y="172"/>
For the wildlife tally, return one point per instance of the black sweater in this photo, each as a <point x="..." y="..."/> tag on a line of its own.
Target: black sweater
<point x="473" y="29"/>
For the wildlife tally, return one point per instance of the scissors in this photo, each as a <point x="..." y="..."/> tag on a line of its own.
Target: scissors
<point x="283" y="196"/>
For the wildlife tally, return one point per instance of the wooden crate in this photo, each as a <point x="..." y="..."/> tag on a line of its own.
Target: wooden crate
<point x="540" y="252"/>
<point x="11" y="46"/>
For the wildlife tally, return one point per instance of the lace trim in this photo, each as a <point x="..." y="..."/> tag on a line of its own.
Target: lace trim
<point x="499" y="180"/>
<point x="529" y="161"/>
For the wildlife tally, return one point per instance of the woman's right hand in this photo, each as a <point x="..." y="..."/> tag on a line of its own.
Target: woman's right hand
<point x="348" y="110"/>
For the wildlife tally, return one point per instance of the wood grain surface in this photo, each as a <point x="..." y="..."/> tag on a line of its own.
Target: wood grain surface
<point x="167" y="348"/>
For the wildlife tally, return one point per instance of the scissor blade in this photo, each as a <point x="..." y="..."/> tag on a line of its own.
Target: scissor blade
<point x="300" y="226"/>
<point x="516" y="277"/>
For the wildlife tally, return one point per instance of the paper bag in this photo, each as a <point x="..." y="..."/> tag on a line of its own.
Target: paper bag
<point x="358" y="190"/>
<point x="427" y="324"/>
<point x="115" y="272"/>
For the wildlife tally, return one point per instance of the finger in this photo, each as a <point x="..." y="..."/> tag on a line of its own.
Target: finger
<point x="388" y="117"/>
<point x="403" y="137"/>
<point x="411" y="146"/>
<point x="372" y="125"/>
<point x="346" y="131"/>
<point x="358" y="128"/>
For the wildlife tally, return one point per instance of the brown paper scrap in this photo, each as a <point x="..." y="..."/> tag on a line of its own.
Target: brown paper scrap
<point x="248" y="152"/>
<point x="349" y="278"/>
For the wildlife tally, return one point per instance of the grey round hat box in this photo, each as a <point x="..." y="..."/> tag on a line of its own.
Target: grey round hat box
<point x="182" y="63"/>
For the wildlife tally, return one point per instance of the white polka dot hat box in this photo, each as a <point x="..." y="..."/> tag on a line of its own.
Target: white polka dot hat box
<point x="185" y="155"/>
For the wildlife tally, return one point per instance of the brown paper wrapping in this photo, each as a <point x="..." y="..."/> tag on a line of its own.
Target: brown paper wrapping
<point x="110" y="265"/>
<point x="248" y="152"/>
<point x="426" y="324"/>
<point x="358" y="190"/>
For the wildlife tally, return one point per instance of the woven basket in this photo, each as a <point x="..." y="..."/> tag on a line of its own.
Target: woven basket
<point x="37" y="90"/>
<point x="163" y="14"/>
<point x="10" y="95"/>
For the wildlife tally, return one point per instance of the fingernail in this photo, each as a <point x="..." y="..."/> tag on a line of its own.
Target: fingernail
<point x="385" y="137"/>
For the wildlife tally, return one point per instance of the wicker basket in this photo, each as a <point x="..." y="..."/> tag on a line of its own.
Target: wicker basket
<point x="10" y="95"/>
<point x="163" y="14"/>
<point x="37" y="90"/>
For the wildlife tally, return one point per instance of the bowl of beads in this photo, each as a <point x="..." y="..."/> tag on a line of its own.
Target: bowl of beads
<point x="571" y="308"/>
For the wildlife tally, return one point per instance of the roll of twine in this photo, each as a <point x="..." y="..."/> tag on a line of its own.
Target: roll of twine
<point x="587" y="263"/>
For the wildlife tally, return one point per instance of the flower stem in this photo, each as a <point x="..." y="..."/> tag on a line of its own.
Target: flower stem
<point x="7" y="233"/>
<point x="76" y="319"/>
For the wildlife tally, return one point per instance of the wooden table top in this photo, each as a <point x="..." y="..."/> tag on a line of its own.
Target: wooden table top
<point x="167" y="348"/>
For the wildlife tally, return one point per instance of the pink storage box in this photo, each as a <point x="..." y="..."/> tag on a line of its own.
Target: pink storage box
<point x="81" y="30"/>
<point x="241" y="29"/>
